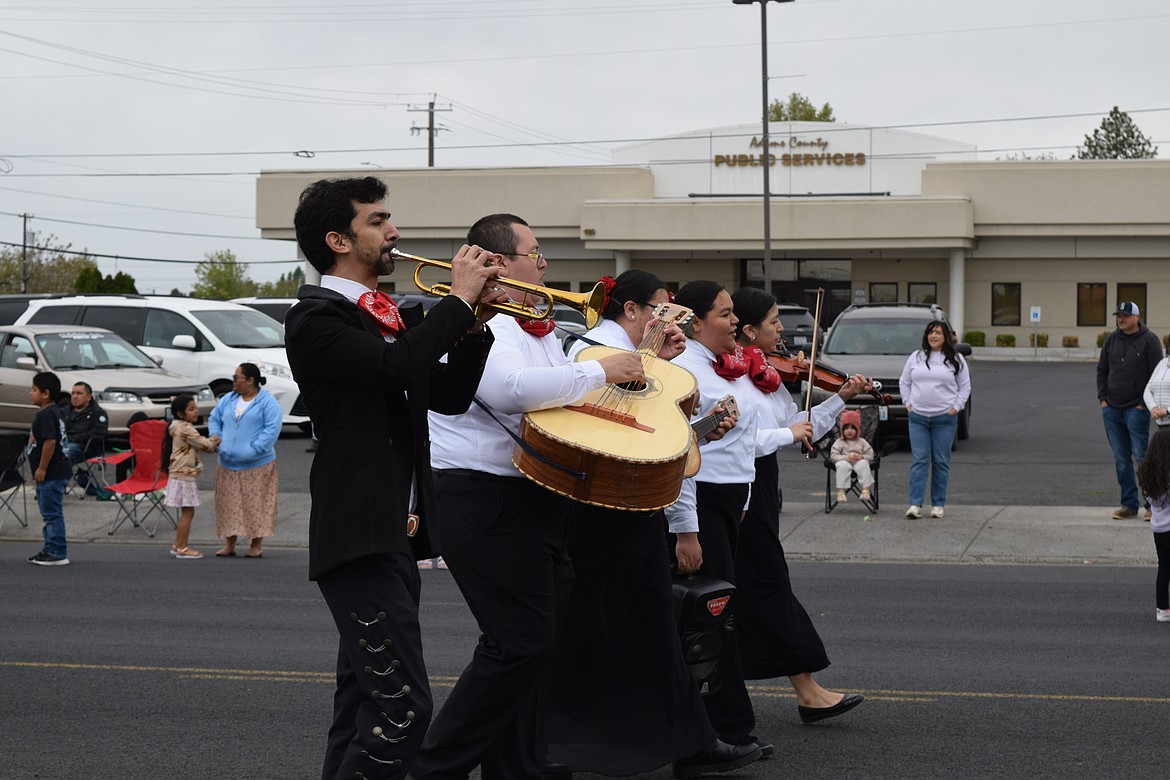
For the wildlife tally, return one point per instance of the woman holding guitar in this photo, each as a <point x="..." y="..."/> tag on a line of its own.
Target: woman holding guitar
<point x="621" y="700"/>
<point x="777" y="637"/>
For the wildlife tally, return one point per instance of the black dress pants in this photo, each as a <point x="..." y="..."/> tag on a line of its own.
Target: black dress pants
<point x="720" y="508"/>
<point x="382" y="704"/>
<point x="503" y="539"/>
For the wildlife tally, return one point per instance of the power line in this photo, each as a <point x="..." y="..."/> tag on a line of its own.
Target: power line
<point x="140" y="230"/>
<point x="52" y="250"/>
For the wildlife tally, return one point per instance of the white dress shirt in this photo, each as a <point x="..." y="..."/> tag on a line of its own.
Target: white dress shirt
<point x="607" y="332"/>
<point x="523" y="373"/>
<point x="780" y="411"/>
<point x="732" y="459"/>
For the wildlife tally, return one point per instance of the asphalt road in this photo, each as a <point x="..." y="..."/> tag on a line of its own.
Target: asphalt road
<point x="134" y="667"/>
<point x="1036" y="440"/>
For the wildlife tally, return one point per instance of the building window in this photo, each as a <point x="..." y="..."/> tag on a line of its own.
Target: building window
<point x="1091" y="304"/>
<point x="883" y="292"/>
<point x="1005" y="303"/>
<point x="1136" y="292"/>
<point x="922" y="292"/>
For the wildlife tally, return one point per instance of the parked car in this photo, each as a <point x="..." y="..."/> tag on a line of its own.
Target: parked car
<point x="275" y="308"/>
<point x="198" y="338"/>
<point x="799" y="327"/>
<point x="13" y="305"/>
<point x="124" y="380"/>
<point x="874" y="340"/>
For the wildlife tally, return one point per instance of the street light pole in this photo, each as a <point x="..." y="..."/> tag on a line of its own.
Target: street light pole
<point x="767" y="156"/>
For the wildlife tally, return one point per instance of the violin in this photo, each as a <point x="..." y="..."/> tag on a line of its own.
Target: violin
<point x="794" y="368"/>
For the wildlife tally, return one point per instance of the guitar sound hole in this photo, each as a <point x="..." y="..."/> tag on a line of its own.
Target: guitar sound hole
<point x="633" y="387"/>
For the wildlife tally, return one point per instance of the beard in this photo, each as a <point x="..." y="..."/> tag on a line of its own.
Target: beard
<point x="384" y="263"/>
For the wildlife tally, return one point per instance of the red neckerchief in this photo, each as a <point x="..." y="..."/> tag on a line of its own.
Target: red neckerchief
<point x="731" y="365"/>
<point x="538" y="328"/>
<point x="383" y="310"/>
<point x="749" y="361"/>
<point x="761" y="372"/>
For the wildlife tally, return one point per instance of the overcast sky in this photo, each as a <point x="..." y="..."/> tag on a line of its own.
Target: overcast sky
<point x="149" y="121"/>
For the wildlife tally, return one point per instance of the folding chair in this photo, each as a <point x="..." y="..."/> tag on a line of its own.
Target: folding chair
<point x="83" y="476"/>
<point x="147" y="478"/>
<point x="12" y="480"/>
<point x="869" y="432"/>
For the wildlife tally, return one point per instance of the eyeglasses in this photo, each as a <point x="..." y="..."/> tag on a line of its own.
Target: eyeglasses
<point x="536" y="257"/>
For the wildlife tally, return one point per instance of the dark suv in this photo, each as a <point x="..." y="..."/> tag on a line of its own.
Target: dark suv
<point x="799" y="327"/>
<point x="875" y="340"/>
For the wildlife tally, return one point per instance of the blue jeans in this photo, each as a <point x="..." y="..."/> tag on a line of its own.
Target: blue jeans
<point x="1129" y="433"/>
<point x="50" y="497"/>
<point x="930" y="445"/>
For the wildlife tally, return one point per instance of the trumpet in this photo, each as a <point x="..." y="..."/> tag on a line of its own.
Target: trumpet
<point x="588" y="303"/>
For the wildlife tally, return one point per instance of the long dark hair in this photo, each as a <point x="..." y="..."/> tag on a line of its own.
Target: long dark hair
<point x="633" y="285"/>
<point x="948" y="345"/>
<point x="178" y="406"/>
<point x="1153" y="473"/>
<point x="751" y="306"/>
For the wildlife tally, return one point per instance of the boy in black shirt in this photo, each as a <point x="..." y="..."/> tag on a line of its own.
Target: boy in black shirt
<point x="51" y="469"/>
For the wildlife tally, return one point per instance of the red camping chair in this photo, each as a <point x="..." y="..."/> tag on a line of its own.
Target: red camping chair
<point x="145" y="481"/>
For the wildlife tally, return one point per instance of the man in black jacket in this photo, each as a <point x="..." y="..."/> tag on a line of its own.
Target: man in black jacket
<point x="1128" y="358"/>
<point x="85" y="422"/>
<point x="368" y="375"/>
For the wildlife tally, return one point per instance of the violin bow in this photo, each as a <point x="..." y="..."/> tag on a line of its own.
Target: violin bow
<point x="812" y="363"/>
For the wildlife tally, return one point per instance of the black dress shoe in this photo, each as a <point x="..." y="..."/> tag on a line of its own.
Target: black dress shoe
<point x="813" y="714"/>
<point x="720" y="757"/>
<point x="554" y="771"/>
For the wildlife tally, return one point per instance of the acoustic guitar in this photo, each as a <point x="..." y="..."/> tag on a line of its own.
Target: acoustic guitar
<point x="623" y="446"/>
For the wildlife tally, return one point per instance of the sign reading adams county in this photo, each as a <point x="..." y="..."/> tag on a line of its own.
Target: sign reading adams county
<point x="806" y="158"/>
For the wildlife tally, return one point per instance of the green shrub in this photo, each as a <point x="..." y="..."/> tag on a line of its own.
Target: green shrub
<point x="1070" y="341"/>
<point x="1038" y="339"/>
<point x="1101" y="338"/>
<point x="1005" y="340"/>
<point x="975" y="338"/>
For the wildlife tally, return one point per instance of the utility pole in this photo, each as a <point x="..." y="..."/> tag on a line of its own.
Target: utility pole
<point x="431" y="129"/>
<point x="24" y="253"/>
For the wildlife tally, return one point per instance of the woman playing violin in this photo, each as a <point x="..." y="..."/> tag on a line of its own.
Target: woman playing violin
<point x="777" y="637"/>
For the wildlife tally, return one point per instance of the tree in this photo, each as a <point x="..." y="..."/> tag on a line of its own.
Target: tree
<point x="284" y="287"/>
<point x="90" y="280"/>
<point x="1018" y="156"/>
<point x="798" y="108"/>
<point x="48" y="268"/>
<point x="1118" y="138"/>
<point x="221" y="276"/>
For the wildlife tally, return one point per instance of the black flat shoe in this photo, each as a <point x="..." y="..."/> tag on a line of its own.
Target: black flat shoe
<point x="555" y="771"/>
<point x="813" y="714"/>
<point x="720" y="757"/>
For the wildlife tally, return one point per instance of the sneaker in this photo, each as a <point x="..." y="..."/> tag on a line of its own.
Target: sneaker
<point x="426" y="563"/>
<point x="865" y="494"/>
<point x="841" y="497"/>
<point x="1124" y="513"/>
<point x="936" y="511"/>
<point x="41" y="559"/>
<point x="440" y="563"/>
<point x="914" y="512"/>
<point x="1162" y="616"/>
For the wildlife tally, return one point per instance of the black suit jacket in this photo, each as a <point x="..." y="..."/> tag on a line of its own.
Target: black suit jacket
<point x="368" y="401"/>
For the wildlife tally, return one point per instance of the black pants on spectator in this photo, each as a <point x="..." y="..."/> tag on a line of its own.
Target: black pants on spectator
<point x="1162" y="587"/>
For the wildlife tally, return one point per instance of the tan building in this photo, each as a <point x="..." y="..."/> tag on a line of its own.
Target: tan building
<point x="868" y="215"/>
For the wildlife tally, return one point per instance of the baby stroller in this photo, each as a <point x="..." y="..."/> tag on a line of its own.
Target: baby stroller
<point x="867" y="421"/>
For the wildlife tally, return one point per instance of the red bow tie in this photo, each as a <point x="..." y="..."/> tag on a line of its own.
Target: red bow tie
<point x="384" y="311"/>
<point x="750" y="361"/>
<point x="538" y="328"/>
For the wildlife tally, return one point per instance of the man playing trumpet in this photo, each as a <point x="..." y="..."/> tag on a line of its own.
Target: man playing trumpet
<point x="503" y="536"/>
<point x="368" y="374"/>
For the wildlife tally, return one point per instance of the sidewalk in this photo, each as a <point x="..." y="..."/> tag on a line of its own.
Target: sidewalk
<point x="968" y="534"/>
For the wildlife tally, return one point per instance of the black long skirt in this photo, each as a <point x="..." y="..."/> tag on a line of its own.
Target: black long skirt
<point x="776" y="636"/>
<point x="621" y="701"/>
